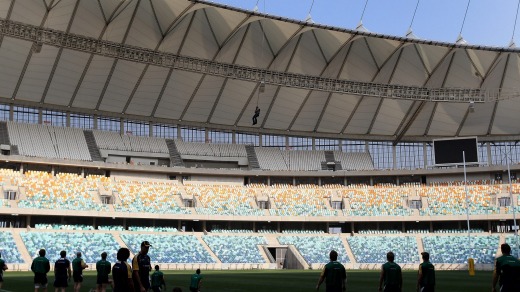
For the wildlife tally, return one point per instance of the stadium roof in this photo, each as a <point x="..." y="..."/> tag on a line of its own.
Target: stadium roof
<point x="202" y="64"/>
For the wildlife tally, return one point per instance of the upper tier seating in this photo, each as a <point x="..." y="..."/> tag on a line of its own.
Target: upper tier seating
<point x="225" y="200"/>
<point x="169" y="248"/>
<point x="10" y="253"/>
<point x="373" y="231"/>
<point x="111" y="227"/>
<point x="73" y="192"/>
<point x="292" y="231"/>
<point x="373" y="249"/>
<point x="152" y="229"/>
<point x="65" y="191"/>
<point x="376" y="201"/>
<point x="290" y="201"/>
<point x="456" y="249"/>
<point x="116" y="141"/>
<point x="451" y="200"/>
<point x="354" y="160"/>
<point x="63" y="227"/>
<point x="298" y="160"/>
<point x="210" y="149"/>
<point x="149" y="197"/>
<point x="270" y="158"/>
<point x="231" y="231"/>
<point x="48" y="141"/>
<point x="316" y="249"/>
<point x="9" y="177"/>
<point x="91" y="245"/>
<point x="236" y="249"/>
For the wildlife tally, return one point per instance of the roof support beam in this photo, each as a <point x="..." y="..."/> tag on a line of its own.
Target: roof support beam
<point x="58" y="56"/>
<point x="114" y="64"/>
<point x="493" y="114"/>
<point x="76" y="42"/>
<point x="404" y="129"/>
<point x="8" y="16"/>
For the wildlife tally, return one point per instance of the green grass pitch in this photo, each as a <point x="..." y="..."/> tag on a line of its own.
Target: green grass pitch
<point x="277" y="281"/>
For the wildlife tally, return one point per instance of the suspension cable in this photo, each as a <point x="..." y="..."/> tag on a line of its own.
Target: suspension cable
<point x="464" y="20"/>
<point x="363" y="13"/>
<point x="261" y="87"/>
<point x="414" y="12"/>
<point x="309" y="18"/>
<point x="516" y="18"/>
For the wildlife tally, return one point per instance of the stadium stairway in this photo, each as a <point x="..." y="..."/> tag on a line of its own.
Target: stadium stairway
<point x="349" y="251"/>
<point x="14" y="150"/>
<point x="293" y="255"/>
<point x="119" y="241"/>
<point x="21" y="193"/>
<point x="4" y="134"/>
<point x="175" y="157"/>
<point x="420" y="245"/>
<point x="271" y="239"/>
<point x="261" y="250"/>
<point x="501" y="240"/>
<point x="21" y="246"/>
<point x="329" y="157"/>
<point x="13" y="204"/>
<point x="198" y="235"/>
<point x="92" y="146"/>
<point x="251" y="157"/>
<point x="177" y="199"/>
<point x="95" y="196"/>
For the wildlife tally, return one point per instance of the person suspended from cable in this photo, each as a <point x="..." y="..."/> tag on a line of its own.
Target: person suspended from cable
<point x="256" y="115"/>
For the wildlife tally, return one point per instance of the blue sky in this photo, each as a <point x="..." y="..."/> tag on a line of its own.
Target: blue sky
<point x="489" y="22"/>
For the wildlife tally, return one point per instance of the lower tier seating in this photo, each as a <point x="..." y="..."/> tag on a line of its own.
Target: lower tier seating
<point x="457" y="249"/>
<point x="10" y="253"/>
<point x="236" y="249"/>
<point x="173" y="249"/>
<point x="91" y="245"/>
<point x="373" y="249"/>
<point x="316" y="249"/>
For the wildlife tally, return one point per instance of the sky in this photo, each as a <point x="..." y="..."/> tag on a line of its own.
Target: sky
<point x="488" y="22"/>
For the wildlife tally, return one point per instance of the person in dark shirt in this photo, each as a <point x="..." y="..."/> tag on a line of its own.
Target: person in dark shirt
<point x="78" y="265"/>
<point x="40" y="267"/>
<point x="158" y="280"/>
<point x="507" y="269"/>
<point x="122" y="272"/>
<point x="141" y="267"/>
<point x="426" y="275"/>
<point x="391" y="275"/>
<point x="335" y="274"/>
<point x="103" y="270"/>
<point x="3" y="267"/>
<point x="196" y="281"/>
<point x="62" y="272"/>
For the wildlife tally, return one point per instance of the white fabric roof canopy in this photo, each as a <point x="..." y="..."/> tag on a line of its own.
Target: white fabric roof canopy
<point x="59" y="77"/>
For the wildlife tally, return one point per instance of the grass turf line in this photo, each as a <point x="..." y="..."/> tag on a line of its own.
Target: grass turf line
<point x="275" y="281"/>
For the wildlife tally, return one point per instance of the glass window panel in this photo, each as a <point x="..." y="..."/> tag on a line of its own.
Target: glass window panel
<point x="54" y="118"/>
<point x="247" y="139"/>
<point x="23" y="114"/>
<point x="136" y="128"/>
<point x="109" y="124"/>
<point x="165" y="131"/>
<point x="81" y="121"/>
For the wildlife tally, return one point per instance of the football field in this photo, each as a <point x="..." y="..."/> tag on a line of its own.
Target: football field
<point x="277" y="281"/>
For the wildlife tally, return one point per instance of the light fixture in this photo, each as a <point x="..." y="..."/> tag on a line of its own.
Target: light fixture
<point x="261" y="89"/>
<point x="36" y="47"/>
<point x="471" y="107"/>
